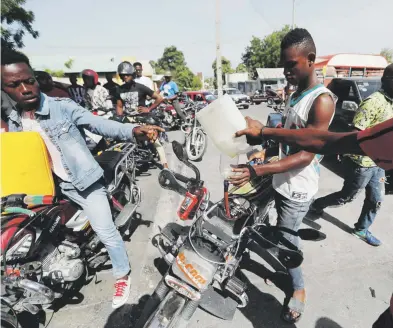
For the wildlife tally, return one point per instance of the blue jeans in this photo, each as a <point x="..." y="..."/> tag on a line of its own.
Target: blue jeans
<point x="290" y="216"/>
<point x="357" y="178"/>
<point x="95" y="204"/>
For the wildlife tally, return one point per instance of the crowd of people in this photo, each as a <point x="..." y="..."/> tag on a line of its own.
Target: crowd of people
<point x="308" y="114"/>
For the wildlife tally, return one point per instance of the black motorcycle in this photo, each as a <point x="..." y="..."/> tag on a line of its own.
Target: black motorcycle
<point x="204" y="259"/>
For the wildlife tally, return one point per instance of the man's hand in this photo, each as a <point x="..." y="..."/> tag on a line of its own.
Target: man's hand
<point x="143" y="110"/>
<point x="253" y="129"/>
<point x="149" y="132"/>
<point x="252" y="132"/>
<point x="242" y="177"/>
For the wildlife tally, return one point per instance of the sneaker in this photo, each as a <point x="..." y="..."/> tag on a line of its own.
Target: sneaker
<point x="367" y="236"/>
<point x="315" y="210"/>
<point x="122" y="292"/>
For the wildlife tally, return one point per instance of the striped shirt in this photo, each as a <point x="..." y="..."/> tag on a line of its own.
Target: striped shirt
<point x="77" y="94"/>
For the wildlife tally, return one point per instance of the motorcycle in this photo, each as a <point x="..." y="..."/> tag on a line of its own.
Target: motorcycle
<point x="204" y="259"/>
<point x="48" y="246"/>
<point x="196" y="138"/>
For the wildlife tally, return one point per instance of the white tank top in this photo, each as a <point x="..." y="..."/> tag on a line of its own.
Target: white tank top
<point x="302" y="184"/>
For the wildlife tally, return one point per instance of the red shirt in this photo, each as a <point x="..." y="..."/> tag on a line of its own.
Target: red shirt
<point x="377" y="143"/>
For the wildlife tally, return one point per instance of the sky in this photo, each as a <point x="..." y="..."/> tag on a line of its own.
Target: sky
<point x="144" y="28"/>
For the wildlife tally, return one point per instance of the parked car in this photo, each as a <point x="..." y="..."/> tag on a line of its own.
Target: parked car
<point x="350" y="91"/>
<point x="241" y="100"/>
<point x="268" y="95"/>
<point x="200" y="96"/>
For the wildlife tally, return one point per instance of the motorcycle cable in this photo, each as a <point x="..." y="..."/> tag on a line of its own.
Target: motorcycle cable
<point x="12" y="310"/>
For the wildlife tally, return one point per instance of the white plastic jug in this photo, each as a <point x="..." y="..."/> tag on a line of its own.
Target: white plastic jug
<point x="220" y="120"/>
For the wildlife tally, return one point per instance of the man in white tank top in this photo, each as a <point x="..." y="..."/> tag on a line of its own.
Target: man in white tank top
<point x="296" y="174"/>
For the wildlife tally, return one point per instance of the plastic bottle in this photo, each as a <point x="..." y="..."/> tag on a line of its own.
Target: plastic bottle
<point x="220" y="120"/>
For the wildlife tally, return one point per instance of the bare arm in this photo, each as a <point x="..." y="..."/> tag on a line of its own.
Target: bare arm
<point x="317" y="141"/>
<point x="158" y="100"/>
<point x="119" y="107"/>
<point x="319" y="118"/>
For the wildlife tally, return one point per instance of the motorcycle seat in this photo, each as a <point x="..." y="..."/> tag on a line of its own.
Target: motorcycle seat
<point x="108" y="161"/>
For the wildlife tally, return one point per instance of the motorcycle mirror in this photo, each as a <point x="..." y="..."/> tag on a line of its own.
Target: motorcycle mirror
<point x="311" y="234"/>
<point x="182" y="156"/>
<point x="179" y="151"/>
<point x="168" y="181"/>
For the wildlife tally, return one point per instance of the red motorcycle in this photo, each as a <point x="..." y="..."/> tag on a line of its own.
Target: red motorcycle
<point x="48" y="246"/>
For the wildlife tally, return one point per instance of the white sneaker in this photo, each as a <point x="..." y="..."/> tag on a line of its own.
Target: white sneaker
<point x="122" y="292"/>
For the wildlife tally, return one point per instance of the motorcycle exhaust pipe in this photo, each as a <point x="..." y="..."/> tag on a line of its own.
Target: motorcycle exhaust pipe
<point x="46" y="295"/>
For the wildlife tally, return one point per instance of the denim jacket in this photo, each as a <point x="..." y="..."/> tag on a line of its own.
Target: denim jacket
<point x="63" y="120"/>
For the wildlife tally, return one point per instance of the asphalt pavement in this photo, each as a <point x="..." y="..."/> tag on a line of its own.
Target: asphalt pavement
<point x="349" y="283"/>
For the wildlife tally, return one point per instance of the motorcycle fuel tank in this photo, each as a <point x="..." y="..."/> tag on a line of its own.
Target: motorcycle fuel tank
<point x="194" y="269"/>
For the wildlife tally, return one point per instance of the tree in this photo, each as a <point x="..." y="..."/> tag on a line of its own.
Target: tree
<point x="59" y="73"/>
<point x="153" y="64"/>
<point x="209" y="83"/>
<point x="388" y="54"/>
<point x="264" y="53"/>
<point x="241" y="68"/>
<point x="15" y="22"/>
<point x="226" y="68"/>
<point x="69" y="63"/>
<point x="196" y="83"/>
<point x="171" y="60"/>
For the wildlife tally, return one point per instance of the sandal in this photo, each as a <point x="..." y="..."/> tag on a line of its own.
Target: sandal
<point x="296" y="306"/>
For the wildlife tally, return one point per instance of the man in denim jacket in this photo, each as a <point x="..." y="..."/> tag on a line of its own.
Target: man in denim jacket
<point x="59" y="121"/>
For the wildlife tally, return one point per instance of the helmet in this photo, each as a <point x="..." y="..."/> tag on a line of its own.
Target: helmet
<point x="90" y="73"/>
<point x="125" y="68"/>
<point x="168" y="73"/>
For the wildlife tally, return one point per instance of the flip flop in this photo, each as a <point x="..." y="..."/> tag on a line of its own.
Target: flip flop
<point x="293" y="305"/>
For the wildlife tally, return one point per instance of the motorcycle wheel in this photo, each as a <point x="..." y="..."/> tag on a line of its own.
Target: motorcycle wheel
<point x="168" y="312"/>
<point x="195" y="152"/>
<point x="270" y="102"/>
<point x="8" y="320"/>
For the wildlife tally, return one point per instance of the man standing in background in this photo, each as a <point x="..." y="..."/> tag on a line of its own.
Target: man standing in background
<point x="147" y="82"/>
<point x="48" y="87"/>
<point x="111" y="86"/>
<point x="169" y="90"/>
<point x="76" y="91"/>
<point x="361" y="172"/>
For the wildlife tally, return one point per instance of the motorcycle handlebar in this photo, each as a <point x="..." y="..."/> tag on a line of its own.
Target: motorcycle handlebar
<point x="181" y="177"/>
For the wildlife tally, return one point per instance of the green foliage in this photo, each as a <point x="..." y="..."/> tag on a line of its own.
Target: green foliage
<point x="173" y="60"/>
<point x="209" y="83"/>
<point x="241" y="68"/>
<point x="196" y="83"/>
<point x="153" y="64"/>
<point x="69" y="63"/>
<point x="58" y="73"/>
<point x="388" y="54"/>
<point x="15" y="22"/>
<point x="226" y="68"/>
<point x="264" y="53"/>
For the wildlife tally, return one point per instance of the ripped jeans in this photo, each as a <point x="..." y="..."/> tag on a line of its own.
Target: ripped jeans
<point x="357" y="178"/>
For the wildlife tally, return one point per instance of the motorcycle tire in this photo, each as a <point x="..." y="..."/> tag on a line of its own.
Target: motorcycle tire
<point x="196" y="153"/>
<point x="168" y="312"/>
<point x="8" y="320"/>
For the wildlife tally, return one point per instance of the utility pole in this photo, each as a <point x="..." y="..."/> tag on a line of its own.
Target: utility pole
<point x="218" y="51"/>
<point x="293" y="14"/>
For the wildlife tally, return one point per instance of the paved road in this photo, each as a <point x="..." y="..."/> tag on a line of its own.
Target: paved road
<point x="349" y="283"/>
